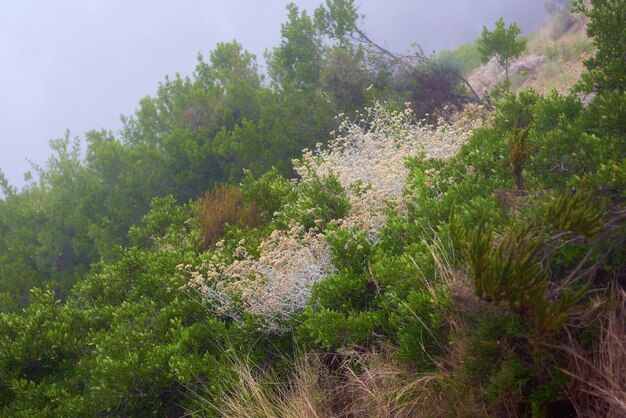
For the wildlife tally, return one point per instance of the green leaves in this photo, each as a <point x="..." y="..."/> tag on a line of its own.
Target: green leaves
<point x="501" y="43"/>
<point x="337" y="19"/>
<point x="127" y="340"/>
<point x="350" y="247"/>
<point x="333" y="330"/>
<point x="318" y="201"/>
<point x="507" y="271"/>
<point x="576" y="214"/>
<point x="514" y="266"/>
<point x="607" y="27"/>
<point x="296" y="62"/>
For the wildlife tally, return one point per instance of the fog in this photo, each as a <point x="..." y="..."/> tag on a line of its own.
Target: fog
<point x="80" y="64"/>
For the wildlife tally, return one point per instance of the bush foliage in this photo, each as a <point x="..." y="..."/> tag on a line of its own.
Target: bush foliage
<point x="472" y="267"/>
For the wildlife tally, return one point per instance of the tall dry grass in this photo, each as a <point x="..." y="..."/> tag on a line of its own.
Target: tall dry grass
<point x="349" y="384"/>
<point x="260" y="393"/>
<point x="599" y="375"/>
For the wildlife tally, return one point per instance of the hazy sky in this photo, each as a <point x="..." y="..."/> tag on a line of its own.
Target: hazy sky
<point x="80" y="64"/>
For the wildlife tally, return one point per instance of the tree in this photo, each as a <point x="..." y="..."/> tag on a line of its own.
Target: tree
<point x="502" y="43"/>
<point x="296" y="62"/>
<point x="607" y="27"/>
<point x="344" y="75"/>
<point x="420" y="79"/>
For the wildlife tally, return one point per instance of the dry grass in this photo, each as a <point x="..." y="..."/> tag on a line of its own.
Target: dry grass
<point x="220" y="206"/>
<point x="561" y="29"/>
<point x="324" y="385"/>
<point x="599" y="374"/>
<point x="351" y="384"/>
<point x="564" y="44"/>
<point x="258" y="393"/>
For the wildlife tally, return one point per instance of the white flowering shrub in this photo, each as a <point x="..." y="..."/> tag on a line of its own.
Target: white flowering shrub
<point x="368" y="157"/>
<point x="273" y="286"/>
<point x="348" y="185"/>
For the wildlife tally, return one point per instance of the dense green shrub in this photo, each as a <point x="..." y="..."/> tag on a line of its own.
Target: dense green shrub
<point x="351" y="249"/>
<point x="332" y="330"/>
<point x="317" y="199"/>
<point x="607" y="69"/>
<point x="420" y="326"/>
<point x="268" y="193"/>
<point x="345" y="292"/>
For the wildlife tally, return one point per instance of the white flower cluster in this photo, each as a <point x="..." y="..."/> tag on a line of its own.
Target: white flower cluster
<point x="368" y="157"/>
<point x="274" y="286"/>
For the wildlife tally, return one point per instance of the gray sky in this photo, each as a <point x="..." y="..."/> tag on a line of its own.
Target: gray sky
<point x="80" y="64"/>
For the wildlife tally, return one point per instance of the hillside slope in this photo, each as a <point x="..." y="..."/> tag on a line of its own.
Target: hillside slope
<point x="474" y="267"/>
<point x="553" y="59"/>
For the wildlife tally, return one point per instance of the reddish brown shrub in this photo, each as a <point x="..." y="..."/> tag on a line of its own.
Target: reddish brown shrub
<point x="220" y="206"/>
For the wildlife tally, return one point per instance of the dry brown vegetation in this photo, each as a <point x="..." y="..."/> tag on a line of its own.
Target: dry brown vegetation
<point x="371" y="384"/>
<point x="220" y="206"/>
<point x="362" y="384"/>
<point x="599" y="375"/>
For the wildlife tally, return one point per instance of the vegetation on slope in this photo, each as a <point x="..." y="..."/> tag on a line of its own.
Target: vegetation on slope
<point x="553" y="59"/>
<point x="469" y="267"/>
<point x="197" y="132"/>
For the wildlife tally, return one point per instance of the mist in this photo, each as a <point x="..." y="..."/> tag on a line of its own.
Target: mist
<point x="80" y="64"/>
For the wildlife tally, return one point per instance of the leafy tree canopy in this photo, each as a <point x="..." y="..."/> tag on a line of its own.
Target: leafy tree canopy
<point x="501" y="43"/>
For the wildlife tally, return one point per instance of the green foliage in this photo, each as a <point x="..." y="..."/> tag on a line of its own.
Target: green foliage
<point x="516" y="110"/>
<point x="576" y="214"/>
<point x="607" y="27"/>
<point x="164" y="224"/>
<point x="501" y="43"/>
<point x="555" y="111"/>
<point x="44" y="341"/>
<point x="508" y="273"/>
<point x="344" y="75"/>
<point x="129" y="340"/>
<point x="507" y="380"/>
<point x="337" y="19"/>
<point x="297" y="61"/>
<point x="466" y="57"/>
<point x="194" y="133"/>
<point x="421" y="327"/>
<point x="351" y="249"/>
<point x="345" y="292"/>
<point x="126" y="342"/>
<point x="511" y="269"/>
<point x="332" y="330"/>
<point x="268" y="193"/>
<point x="318" y="201"/>
<point x="46" y="230"/>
